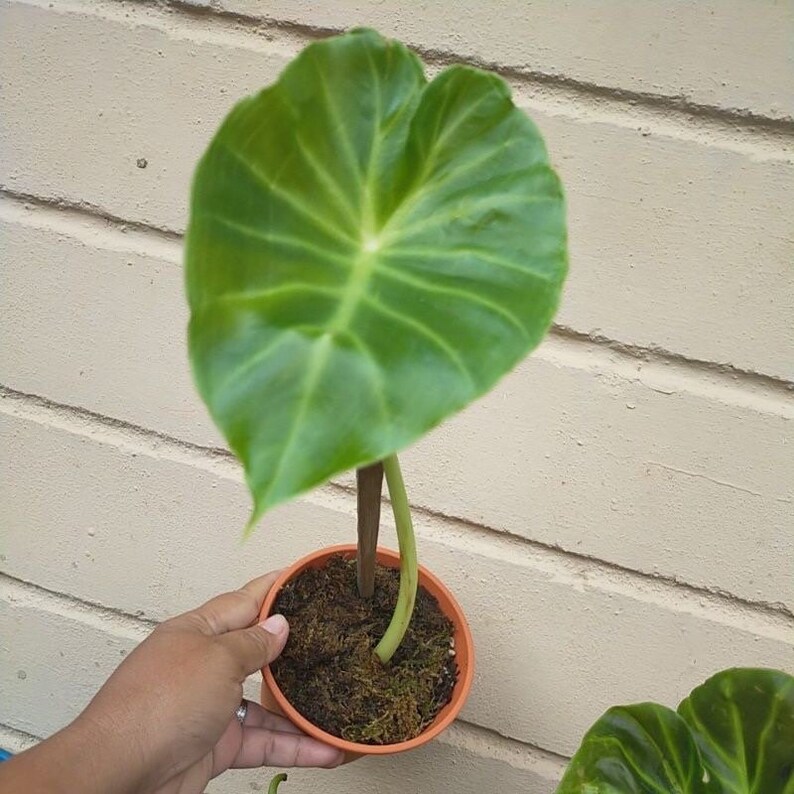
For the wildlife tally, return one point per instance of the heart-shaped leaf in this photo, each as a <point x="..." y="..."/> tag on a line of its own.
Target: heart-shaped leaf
<point x="732" y="735"/>
<point x="367" y="253"/>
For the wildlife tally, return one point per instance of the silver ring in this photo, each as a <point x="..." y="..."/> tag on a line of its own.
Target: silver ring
<point x="241" y="712"/>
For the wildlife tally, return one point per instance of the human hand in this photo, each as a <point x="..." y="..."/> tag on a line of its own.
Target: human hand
<point x="164" y="721"/>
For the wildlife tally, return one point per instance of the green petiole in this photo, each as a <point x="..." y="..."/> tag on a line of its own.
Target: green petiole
<point x="409" y="574"/>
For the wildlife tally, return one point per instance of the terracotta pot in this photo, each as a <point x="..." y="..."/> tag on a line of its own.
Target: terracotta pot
<point x="273" y="698"/>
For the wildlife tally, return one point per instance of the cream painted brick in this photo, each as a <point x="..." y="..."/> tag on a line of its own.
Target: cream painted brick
<point x="52" y="663"/>
<point x="100" y="327"/>
<point x="619" y="465"/>
<point x="617" y="459"/>
<point x="151" y="527"/>
<point x="14" y="741"/>
<point x="731" y="53"/>
<point x="676" y="242"/>
<point x="82" y="651"/>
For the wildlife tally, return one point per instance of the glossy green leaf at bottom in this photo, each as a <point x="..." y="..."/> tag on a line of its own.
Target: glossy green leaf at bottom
<point x="639" y="749"/>
<point x="733" y="735"/>
<point x="743" y="723"/>
<point x="367" y="253"/>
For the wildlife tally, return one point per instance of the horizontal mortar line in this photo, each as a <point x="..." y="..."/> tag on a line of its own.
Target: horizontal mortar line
<point x="60" y="210"/>
<point x="506" y="747"/>
<point x="730" y="376"/>
<point x="484" y="741"/>
<point x="104" y="429"/>
<point x="95" y="225"/>
<point x="22" y="738"/>
<point x="734" y="129"/>
<point x="718" y="595"/>
<point x="442" y="57"/>
<point x="96" y="613"/>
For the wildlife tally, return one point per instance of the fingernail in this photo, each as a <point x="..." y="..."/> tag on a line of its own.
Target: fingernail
<point x="275" y="624"/>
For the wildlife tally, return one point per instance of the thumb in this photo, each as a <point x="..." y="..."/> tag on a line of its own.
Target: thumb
<point x="258" y="646"/>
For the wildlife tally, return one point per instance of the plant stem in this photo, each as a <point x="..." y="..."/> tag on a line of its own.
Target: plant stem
<point x="274" y="783"/>
<point x="369" y="482"/>
<point x="409" y="574"/>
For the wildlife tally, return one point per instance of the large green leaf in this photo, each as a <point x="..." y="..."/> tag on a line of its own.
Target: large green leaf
<point x="732" y="735"/>
<point x="367" y="253"/>
<point x="743" y="723"/>
<point x="640" y="749"/>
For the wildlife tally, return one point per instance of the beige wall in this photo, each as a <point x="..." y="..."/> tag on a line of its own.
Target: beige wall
<point x="616" y="517"/>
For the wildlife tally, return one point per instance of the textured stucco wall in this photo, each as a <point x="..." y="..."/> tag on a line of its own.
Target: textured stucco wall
<point x="616" y="518"/>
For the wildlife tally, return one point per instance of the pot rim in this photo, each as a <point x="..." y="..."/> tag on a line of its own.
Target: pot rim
<point x="463" y="637"/>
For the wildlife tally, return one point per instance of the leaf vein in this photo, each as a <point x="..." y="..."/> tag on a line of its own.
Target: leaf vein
<point x="438" y="253"/>
<point x="768" y="726"/>
<point x="319" y="358"/>
<point x="282" y="239"/>
<point x="629" y="761"/>
<point x="291" y="200"/>
<point x="376" y="374"/>
<point x="252" y="362"/>
<point x="462" y="211"/>
<point x="422" y="284"/>
<point x="422" y="329"/>
<point x="339" y="127"/>
<point x="332" y="187"/>
<point x="274" y="292"/>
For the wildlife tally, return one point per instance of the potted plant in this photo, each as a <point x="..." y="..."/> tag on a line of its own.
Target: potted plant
<point x="734" y="734"/>
<point x="367" y="253"/>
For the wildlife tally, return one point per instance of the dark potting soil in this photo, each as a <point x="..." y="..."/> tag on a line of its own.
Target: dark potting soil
<point x="330" y="673"/>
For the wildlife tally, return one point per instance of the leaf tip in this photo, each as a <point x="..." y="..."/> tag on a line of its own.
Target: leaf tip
<point x="251" y="524"/>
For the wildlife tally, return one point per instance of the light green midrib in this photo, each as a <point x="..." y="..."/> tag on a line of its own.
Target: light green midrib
<point x="354" y="291"/>
<point x="678" y="762"/>
<point x="339" y="323"/>
<point x="741" y="750"/>
<point x="319" y="358"/>
<point x="762" y="739"/>
<point x="692" y="718"/>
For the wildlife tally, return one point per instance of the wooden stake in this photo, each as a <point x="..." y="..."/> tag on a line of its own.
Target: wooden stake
<point x="370" y="486"/>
